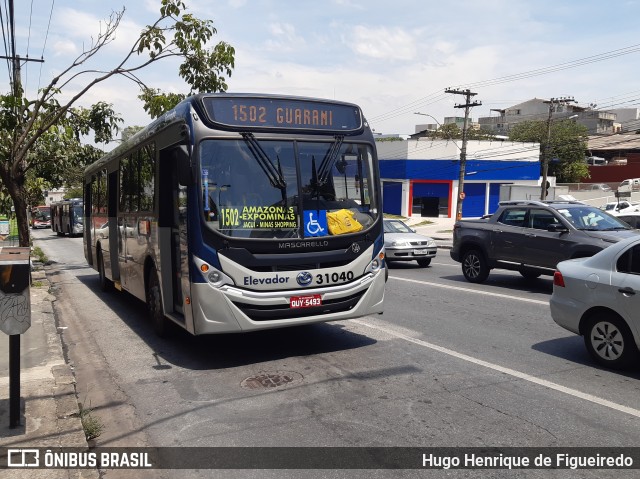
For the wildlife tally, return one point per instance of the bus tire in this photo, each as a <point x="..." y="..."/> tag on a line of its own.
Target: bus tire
<point x="105" y="283"/>
<point x="154" y="305"/>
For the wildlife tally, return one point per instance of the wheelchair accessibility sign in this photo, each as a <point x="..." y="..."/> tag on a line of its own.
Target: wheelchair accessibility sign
<point x="315" y="223"/>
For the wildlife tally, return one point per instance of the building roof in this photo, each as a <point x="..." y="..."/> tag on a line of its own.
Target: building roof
<point x="614" y="142"/>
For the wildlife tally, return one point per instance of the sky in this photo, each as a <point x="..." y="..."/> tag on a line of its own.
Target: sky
<point x="392" y="58"/>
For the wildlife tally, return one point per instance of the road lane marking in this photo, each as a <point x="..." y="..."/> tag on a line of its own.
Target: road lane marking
<point x="469" y="290"/>
<point x="508" y="371"/>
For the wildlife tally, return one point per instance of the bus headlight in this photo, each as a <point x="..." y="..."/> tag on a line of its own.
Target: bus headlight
<point x="212" y="275"/>
<point x="376" y="263"/>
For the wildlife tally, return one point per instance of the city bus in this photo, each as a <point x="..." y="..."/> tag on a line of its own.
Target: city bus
<point x="67" y="217"/>
<point x="241" y="212"/>
<point x="41" y="217"/>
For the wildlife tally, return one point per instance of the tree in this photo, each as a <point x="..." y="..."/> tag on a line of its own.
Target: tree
<point x="451" y="131"/>
<point x="35" y="150"/>
<point x="565" y="146"/>
<point x="44" y="132"/>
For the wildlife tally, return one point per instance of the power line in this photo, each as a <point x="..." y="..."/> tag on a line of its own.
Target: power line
<point x="514" y="77"/>
<point x="46" y="36"/>
<point x="5" y="34"/>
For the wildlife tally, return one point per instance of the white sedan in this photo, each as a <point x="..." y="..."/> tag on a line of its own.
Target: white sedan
<point x="402" y="243"/>
<point x="599" y="298"/>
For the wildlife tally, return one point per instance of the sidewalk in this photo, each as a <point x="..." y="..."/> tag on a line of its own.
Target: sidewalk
<point x="48" y="406"/>
<point x="440" y="229"/>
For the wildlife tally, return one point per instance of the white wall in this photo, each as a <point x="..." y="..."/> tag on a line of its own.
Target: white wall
<point x="430" y="149"/>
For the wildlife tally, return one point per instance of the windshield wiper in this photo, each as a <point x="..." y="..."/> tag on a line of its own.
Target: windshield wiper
<point x="329" y="159"/>
<point x="315" y="183"/>
<point x="273" y="173"/>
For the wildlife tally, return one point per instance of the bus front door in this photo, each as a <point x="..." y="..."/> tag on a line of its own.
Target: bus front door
<point x="172" y="238"/>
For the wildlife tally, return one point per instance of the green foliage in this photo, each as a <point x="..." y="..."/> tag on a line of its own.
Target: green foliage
<point x="91" y="425"/>
<point x="5" y="202"/>
<point x="100" y="118"/>
<point x="41" y="137"/>
<point x="448" y="131"/>
<point x="157" y="103"/>
<point x="394" y="138"/>
<point x="73" y="192"/>
<point x="181" y="34"/>
<point x="129" y="131"/>
<point x="39" y="255"/>
<point x="36" y="186"/>
<point x="565" y="146"/>
<point x="451" y="131"/>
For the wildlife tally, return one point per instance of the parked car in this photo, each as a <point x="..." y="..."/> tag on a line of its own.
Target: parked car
<point x="599" y="299"/>
<point x="532" y="237"/>
<point x="600" y="187"/>
<point x="402" y="243"/>
<point x="612" y="206"/>
<point x="630" y="184"/>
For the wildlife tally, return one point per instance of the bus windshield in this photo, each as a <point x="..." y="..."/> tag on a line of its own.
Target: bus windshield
<point x="78" y="214"/>
<point x="286" y="189"/>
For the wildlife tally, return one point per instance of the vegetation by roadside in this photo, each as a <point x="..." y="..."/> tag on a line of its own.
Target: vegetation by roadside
<point x="39" y="255"/>
<point x="92" y="426"/>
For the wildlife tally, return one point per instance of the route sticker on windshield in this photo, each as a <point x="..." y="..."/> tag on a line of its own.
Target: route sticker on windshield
<point x="315" y="223"/>
<point x="258" y="217"/>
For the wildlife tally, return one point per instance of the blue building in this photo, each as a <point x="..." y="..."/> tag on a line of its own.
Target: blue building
<point x="420" y="177"/>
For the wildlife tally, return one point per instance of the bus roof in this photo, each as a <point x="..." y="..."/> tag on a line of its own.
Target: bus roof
<point x="241" y="112"/>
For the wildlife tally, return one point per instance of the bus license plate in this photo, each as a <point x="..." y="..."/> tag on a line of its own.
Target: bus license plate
<point x="305" y="301"/>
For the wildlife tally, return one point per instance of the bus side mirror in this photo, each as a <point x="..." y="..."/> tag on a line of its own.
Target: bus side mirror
<point x="183" y="163"/>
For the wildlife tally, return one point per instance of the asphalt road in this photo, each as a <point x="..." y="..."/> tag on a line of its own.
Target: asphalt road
<point x="448" y="364"/>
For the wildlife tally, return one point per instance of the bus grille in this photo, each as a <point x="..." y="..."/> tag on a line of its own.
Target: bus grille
<point x="299" y="266"/>
<point x="282" y="311"/>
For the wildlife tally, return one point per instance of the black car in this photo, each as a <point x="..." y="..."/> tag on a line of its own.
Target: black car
<point x="532" y="237"/>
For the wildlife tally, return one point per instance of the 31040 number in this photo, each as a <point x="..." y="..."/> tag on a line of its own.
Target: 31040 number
<point x="325" y="278"/>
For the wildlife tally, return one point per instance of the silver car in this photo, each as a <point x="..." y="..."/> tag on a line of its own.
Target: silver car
<point x="599" y="298"/>
<point x="402" y="243"/>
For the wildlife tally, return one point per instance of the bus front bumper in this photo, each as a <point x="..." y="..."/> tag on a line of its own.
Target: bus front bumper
<point x="231" y="309"/>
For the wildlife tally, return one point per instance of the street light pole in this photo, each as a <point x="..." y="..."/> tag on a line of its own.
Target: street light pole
<point x="547" y="147"/>
<point x="545" y="158"/>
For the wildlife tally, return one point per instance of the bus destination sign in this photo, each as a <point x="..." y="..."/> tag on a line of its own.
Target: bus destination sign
<point x="276" y="113"/>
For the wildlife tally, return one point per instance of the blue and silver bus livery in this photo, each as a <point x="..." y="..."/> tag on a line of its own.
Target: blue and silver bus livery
<point x="240" y="212"/>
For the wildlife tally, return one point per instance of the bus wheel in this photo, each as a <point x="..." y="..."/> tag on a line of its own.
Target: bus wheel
<point x="105" y="283"/>
<point x="154" y="305"/>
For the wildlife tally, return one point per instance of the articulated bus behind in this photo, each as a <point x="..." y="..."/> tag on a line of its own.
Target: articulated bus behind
<point x="237" y="212"/>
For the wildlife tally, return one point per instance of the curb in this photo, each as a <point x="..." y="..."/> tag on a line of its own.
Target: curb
<point x="49" y="411"/>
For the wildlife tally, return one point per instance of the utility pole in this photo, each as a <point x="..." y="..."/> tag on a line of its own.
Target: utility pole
<point x="17" y="82"/>
<point x="15" y="59"/>
<point x="546" y="157"/>
<point x="463" y="150"/>
<point x="14" y="339"/>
